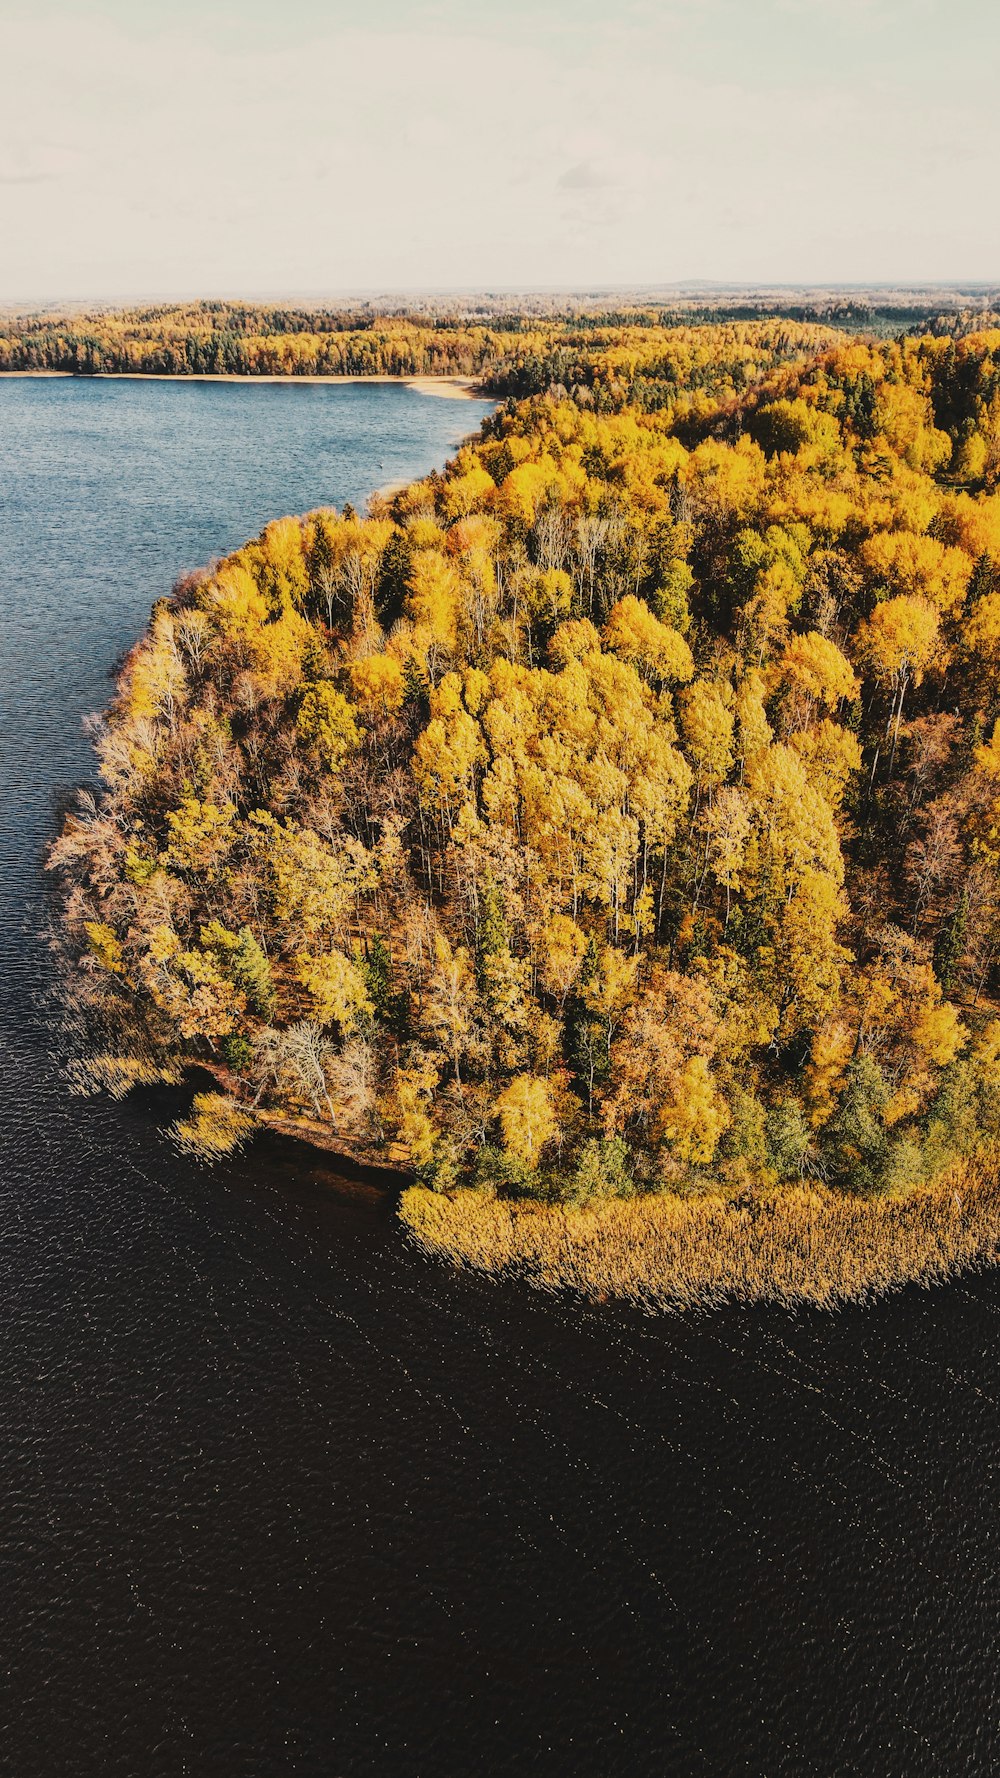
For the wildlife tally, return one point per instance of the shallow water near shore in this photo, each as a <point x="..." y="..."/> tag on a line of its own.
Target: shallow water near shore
<point x="281" y="1496"/>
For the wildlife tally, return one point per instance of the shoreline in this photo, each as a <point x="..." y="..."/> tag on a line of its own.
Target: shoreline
<point x="303" y="1128"/>
<point x="445" y="387"/>
<point x="793" y="1246"/>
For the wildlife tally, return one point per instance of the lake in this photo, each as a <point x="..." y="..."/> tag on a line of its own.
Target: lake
<point x="278" y="1495"/>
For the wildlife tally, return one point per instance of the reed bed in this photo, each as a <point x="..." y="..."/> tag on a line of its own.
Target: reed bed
<point x="796" y="1244"/>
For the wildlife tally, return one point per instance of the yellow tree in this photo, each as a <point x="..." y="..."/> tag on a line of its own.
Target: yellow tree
<point x="814" y="675"/>
<point x="450" y="1003"/>
<point x="897" y="645"/>
<point x="527" y="1117"/>
<point x="336" y="989"/>
<point x="634" y="634"/>
<point x="326" y="724"/>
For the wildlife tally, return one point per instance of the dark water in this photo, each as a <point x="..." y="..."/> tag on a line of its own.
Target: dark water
<point x="278" y="1496"/>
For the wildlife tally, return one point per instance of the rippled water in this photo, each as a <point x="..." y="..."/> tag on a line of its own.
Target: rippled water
<point x="280" y="1497"/>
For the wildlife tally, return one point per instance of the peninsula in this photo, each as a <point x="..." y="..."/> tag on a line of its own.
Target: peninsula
<point x="605" y="832"/>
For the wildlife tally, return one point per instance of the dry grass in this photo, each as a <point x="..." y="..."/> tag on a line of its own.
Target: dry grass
<point x="118" y="1075"/>
<point x="797" y="1244"/>
<point x="217" y="1126"/>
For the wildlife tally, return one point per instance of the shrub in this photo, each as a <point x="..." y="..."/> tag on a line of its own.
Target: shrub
<point x="603" y="1171"/>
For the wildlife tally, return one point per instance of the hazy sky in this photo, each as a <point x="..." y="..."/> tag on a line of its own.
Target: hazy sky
<point x="289" y="146"/>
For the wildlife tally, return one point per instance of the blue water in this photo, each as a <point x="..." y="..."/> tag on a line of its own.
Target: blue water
<point x="277" y="1496"/>
<point x="109" y="490"/>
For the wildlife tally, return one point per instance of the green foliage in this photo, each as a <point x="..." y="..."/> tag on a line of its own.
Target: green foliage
<point x="859" y="405"/>
<point x="415" y="698"/>
<point x="393" y="579"/>
<point x="985" y="577"/>
<point x="492" y="938"/>
<point x="857" y="1143"/>
<point x="748" y="1138"/>
<point x="441" y="1173"/>
<point x="376" y="970"/>
<point x="326" y="722"/>
<point x="603" y="1170"/>
<point x="905" y="1164"/>
<point x="391" y="1006"/>
<point x="499" y="1170"/>
<point x="237" y="1051"/>
<point x="670" y="600"/>
<point x="587" y="1041"/>
<point x="250" y="970"/>
<point x="786" y="1136"/>
<point x="961" y="1111"/>
<point x="244" y="961"/>
<point x="788" y="425"/>
<point x="950" y="944"/>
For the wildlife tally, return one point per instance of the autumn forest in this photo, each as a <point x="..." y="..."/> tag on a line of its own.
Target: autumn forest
<point x="607" y="827"/>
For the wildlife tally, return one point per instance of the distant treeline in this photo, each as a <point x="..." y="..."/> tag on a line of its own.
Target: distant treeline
<point x="236" y="340"/>
<point x="513" y="353"/>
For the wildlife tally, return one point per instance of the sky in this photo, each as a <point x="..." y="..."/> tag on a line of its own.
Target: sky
<point x="291" y="147"/>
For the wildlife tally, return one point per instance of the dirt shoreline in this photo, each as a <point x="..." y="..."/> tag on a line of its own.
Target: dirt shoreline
<point x="448" y="388"/>
<point x="303" y="1129"/>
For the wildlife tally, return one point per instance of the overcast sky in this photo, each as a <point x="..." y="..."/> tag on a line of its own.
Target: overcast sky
<point x="288" y="146"/>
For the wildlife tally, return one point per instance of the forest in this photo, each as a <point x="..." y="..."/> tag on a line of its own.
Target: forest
<point x="611" y="819"/>
<point x="619" y="354"/>
<point x="236" y="339"/>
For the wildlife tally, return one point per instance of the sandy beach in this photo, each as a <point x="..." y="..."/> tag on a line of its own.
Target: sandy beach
<point x="451" y="388"/>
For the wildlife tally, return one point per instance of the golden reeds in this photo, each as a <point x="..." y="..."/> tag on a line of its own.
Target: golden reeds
<point x="794" y="1244"/>
<point x="216" y="1126"/>
<point x="119" y="1074"/>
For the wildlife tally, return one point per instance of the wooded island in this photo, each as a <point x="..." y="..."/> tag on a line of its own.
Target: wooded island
<point x="605" y="830"/>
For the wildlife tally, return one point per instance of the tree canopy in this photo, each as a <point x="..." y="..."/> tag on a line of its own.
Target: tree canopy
<point x="620" y="804"/>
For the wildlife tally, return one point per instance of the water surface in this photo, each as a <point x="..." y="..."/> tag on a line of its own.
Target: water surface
<point x="278" y="1496"/>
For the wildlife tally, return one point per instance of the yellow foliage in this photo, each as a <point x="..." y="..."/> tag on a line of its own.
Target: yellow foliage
<point x="469" y="488"/>
<point x="830" y="754"/>
<point x="105" y="946"/>
<point x="695" y="1120"/>
<point x="572" y="641"/>
<point x="326" y="723"/>
<point x="336" y="989"/>
<point x="526" y="1116"/>
<point x="377" y="682"/>
<point x="918" y="568"/>
<point x="900" y="639"/>
<point x="666" y="841"/>
<point x="633" y="633"/>
<point x="448" y="751"/>
<point x="814" y="665"/>
<point x="830" y="1051"/>
<point x="217" y="1125"/>
<point x="561" y="947"/>
<point x="800" y="1244"/>
<point x="409" y="1113"/>
<point x="938" y="1031"/>
<point x="707" y="725"/>
<point x="200" y="834"/>
<point x="433" y="598"/>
